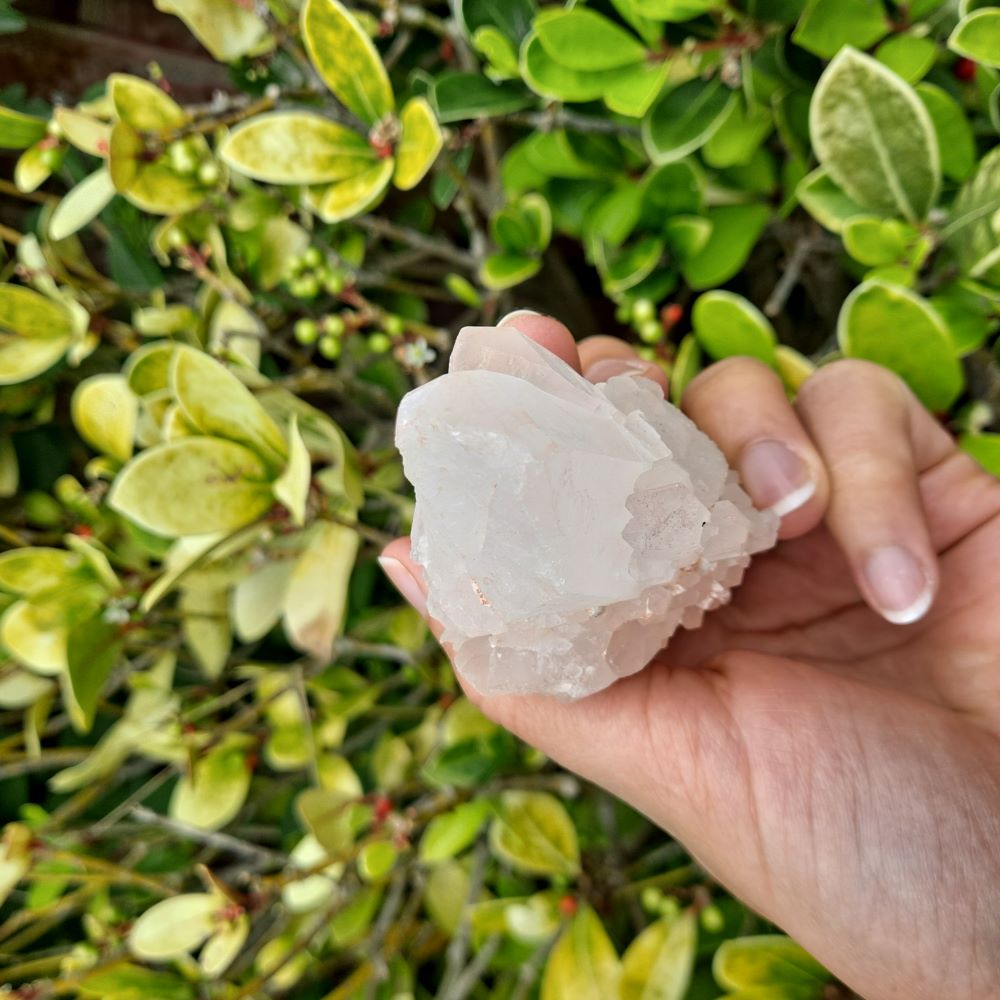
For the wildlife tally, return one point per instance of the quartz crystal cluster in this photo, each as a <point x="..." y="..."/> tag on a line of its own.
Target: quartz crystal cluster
<point x="565" y="529"/>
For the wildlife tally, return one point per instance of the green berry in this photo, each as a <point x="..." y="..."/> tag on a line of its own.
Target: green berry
<point x="183" y="159"/>
<point x="379" y="342"/>
<point x="646" y="353"/>
<point x="334" y="281"/>
<point x="623" y="313"/>
<point x="329" y="347"/>
<point x="177" y="239"/>
<point x="712" y="919"/>
<point x="651" y="331"/>
<point x="312" y="257"/>
<point x="306" y="286"/>
<point x="334" y="325"/>
<point x="394" y="326"/>
<point x="652" y="898"/>
<point x="209" y="174"/>
<point x="306" y="331"/>
<point x="643" y="311"/>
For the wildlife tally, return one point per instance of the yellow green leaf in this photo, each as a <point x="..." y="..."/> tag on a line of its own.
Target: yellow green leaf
<point x="215" y="790"/>
<point x="257" y="600"/>
<point x="147" y="369"/>
<point x="29" y="634"/>
<point x="292" y="487"/>
<point x="977" y="36"/>
<point x="445" y="893"/>
<point x="236" y="332"/>
<point x="304" y="894"/>
<point x="793" y="367"/>
<point x="160" y="190"/>
<point x="82" y="205"/>
<point x="357" y="194"/>
<point x="31" y="170"/>
<point x="223" y="946"/>
<point x="227" y="29"/>
<point x="658" y="963"/>
<point x="420" y="142"/>
<point x="347" y="60"/>
<point x="534" y="834"/>
<point x="174" y="926"/>
<point x="205" y="612"/>
<point x="216" y="402"/>
<point x="15" y="857"/>
<point x="25" y="312"/>
<point x="34" y="570"/>
<point x="22" y="358"/>
<point x="18" y="130"/>
<point x="452" y="832"/>
<point x="21" y="688"/>
<point x="583" y="963"/>
<point x="768" y="960"/>
<point x="105" y="412"/>
<point x="376" y="860"/>
<point x="125" y="148"/>
<point x="296" y="147"/>
<point x="9" y="472"/>
<point x="316" y="596"/>
<point x="84" y="131"/>
<point x="94" y="649"/>
<point x="193" y="487"/>
<point x="143" y="105"/>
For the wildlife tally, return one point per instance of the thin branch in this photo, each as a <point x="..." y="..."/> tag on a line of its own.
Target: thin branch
<point x="473" y="972"/>
<point x="546" y="121"/>
<point x="441" y="249"/>
<point x="220" y="841"/>
<point x="791" y="275"/>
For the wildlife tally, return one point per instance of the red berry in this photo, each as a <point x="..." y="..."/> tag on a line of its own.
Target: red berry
<point x="382" y="806"/>
<point x="568" y="906"/>
<point x="447" y="50"/>
<point x="83" y="531"/>
<point x="672" y="314"/>
<point x="964" y="69"/>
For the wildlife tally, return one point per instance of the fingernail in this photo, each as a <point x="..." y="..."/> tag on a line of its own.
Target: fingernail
<point x="405" y="582"/>
<point x="601" y="371"/>
<point x="511" y="318"/>
<point x="899" y="585"/>
<point x="775" y="477"/>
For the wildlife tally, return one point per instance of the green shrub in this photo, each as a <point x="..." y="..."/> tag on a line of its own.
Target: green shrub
<point x="232" y="765"/>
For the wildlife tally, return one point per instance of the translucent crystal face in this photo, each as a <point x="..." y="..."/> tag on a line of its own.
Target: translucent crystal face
<point x="565" y="529"/>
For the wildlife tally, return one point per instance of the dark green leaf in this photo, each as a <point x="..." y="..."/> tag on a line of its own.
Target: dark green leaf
<point x="582" y="39"/>
<point x="735" y="230"/>
<point x="686" y="118"/>
<point x="458" y="96"/>
<point x="825" y="28"/>
<point x="93" y="650"/>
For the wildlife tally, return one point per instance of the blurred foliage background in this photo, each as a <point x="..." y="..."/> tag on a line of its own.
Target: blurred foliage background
<point x="231" y="764"/>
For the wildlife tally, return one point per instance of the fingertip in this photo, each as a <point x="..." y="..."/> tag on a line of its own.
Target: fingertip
<point x="899" y="583"/>
<point x="601" y="347"/>
<point x="404" y="574"/>
<point x="546" y="331"/>
<point x="608" y="368"/>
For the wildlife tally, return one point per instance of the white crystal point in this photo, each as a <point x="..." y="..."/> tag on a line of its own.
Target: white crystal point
<point x="565" y="529"/>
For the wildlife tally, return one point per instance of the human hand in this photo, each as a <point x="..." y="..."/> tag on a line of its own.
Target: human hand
<point x="827" y="745"/>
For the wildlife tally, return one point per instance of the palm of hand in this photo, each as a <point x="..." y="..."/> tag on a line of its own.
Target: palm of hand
<point x="839" y="773"/>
